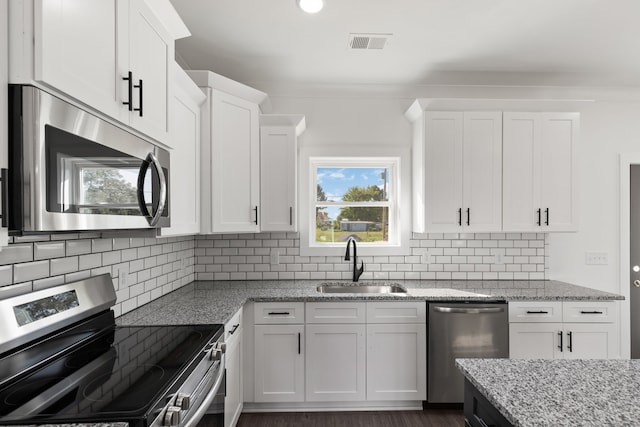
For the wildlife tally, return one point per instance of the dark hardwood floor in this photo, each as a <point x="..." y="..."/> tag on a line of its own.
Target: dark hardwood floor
<point x="428" y="417"/>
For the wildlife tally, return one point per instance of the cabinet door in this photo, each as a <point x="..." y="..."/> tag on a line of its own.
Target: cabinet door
<point x="279" y="363"/>
<point x="591" y="341"/>
<point x="482" y="172"/>
<point x="558" y="171"/>
<point x="336" y="364"/>
<point x="444" y="165"/>
<point x="521" y="180"/>
<point x="535" y="340"/>
<point x="185" y="158"/>
<point x="151" y="55"/>
<point x="396" y="362"/>
<point x="540" y="172"/>
<point x="233" y="401"/>
<point x="235" y="164"/>
<point x="77" y="52"/>
<point x="278" y="173"/>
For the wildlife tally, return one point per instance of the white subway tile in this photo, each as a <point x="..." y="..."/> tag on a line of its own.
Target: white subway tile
<point x="64" y="265"/>
<point x="48" y="250"/>
<point x="13" y="254"/>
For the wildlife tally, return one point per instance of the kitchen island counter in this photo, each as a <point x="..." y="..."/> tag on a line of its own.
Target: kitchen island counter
<point x="216" y="301"/>
<point x="558" y="392"/>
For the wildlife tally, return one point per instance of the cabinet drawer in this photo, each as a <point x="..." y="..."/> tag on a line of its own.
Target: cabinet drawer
<point x="535" y="311"/>
<point x="590" y="311"/>
<point x="335" y="312"/>
<point x="233" y="327"/>
<point x="269" y="313"/>
<point x="397" y="312"/>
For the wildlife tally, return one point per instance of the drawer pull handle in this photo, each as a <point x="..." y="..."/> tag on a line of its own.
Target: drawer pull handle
<point x="560" y="346"/>
<point x="279" y="313"/>
<point x="591" y="312"/>
<point x="236" y="326"/>
<point x="537" y="312"/>
<point x="570" y="347"/>
<point x="299" y="338"/>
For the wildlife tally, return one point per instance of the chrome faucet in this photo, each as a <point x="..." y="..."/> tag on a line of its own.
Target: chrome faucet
<point x="357" y="272"/>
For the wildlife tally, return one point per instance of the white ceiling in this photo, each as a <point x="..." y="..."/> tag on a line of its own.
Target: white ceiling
<point x="529" y="42"/>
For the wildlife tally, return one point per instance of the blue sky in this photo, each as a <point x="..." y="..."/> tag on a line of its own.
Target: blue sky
<point x="336" y="181"/>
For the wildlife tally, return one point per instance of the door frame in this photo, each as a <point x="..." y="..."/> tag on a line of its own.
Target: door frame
<point x="626" y="160"/>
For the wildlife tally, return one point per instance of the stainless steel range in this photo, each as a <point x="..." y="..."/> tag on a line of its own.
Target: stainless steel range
<point x="64" y="360"/>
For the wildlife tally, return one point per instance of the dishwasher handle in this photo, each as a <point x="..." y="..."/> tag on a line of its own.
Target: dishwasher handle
<point x="468" y="310"/>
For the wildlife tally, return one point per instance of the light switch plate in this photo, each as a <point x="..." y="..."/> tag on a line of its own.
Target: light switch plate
<point x="596" y="258"/>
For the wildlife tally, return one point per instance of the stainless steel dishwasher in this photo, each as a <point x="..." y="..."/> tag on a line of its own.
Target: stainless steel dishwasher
<point x="462" y="330"/>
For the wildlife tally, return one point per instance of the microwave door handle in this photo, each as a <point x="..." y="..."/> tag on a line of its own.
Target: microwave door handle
<point x="151" y="158"/>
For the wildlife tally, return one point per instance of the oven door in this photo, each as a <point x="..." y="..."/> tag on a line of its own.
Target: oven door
<point x="71" y="170"/>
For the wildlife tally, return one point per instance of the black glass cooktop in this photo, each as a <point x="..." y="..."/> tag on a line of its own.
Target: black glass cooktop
<point x="96" y="371"/>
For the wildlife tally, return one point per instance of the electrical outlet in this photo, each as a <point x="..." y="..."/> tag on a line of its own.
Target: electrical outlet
<point x="498" y="256"/>
<point x="426" y="257"/>
<point x="596" y="258"/>
<point x="275" y="257"/>
<point x="123" y="275"/>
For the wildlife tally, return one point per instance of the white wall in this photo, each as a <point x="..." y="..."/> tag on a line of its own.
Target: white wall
<point x="609" y="128"/>
<point x="610" y="122"/>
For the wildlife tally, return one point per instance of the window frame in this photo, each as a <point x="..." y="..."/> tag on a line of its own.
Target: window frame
<point x="350" y="156"/>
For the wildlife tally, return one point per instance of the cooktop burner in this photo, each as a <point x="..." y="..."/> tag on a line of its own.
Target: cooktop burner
<point x="97" y="371"/>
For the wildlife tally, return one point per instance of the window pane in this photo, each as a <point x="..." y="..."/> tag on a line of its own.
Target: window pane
<point x="364" y="184"/>
<point x="365" y="224"/>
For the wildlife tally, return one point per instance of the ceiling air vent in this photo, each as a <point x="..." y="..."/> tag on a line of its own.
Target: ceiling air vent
<point x="368" y="41"/>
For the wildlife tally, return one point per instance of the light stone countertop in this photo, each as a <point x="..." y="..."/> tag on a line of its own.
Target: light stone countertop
<point x="215" y="302"/>
<point x="559" y="392"/>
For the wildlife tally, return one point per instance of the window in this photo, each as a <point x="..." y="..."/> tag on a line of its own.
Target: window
<point x="356" y="191"/>
<point x="354" y="198"/>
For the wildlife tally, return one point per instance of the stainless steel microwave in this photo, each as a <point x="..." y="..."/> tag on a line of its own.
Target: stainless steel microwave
<point x="70" y="170"/>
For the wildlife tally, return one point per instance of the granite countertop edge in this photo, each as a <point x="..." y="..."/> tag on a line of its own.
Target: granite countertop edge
<point x="486" y="393"/>
<point x="558" y="392"/>
<point x="216" y="302"/>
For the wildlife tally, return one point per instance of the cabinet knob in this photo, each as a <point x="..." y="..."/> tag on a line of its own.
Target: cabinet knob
<point x="636" y="283"/>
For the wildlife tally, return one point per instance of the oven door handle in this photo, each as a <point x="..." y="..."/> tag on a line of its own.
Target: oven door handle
<point x="151" y="158"/>
<point x="206" y="402"/>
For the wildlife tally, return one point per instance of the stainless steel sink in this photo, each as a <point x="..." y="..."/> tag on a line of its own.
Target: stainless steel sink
<point x="342" y="288"/>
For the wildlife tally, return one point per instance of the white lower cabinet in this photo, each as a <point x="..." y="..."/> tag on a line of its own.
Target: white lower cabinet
<point x="279" y="363"/>
<point x="346" y="352"/>
<point x="397" y="361"/>
<point x="335" y="363"/>
<point x="233" y="401"/>
<point x="588" y="330"/>
<point x="535" y="340"/>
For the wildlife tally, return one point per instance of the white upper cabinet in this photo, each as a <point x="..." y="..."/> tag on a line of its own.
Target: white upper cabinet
<point x="230" y="160"/>
<point x="77" y="51"/>
<point x="184" y="185"/>
<point x="151" y="57"/>
<point x="463" y="156"/>
<point x="279" y="171"/>
<point x="484" y="171"/>
<point x="540" y="172"/>
<point x="113" y="55"/>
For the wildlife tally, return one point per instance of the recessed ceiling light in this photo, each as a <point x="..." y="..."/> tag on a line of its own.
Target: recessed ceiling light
<point x="311" y="6"/>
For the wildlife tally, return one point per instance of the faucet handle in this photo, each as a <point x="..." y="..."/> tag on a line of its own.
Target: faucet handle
<point x="360" y="270"/>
